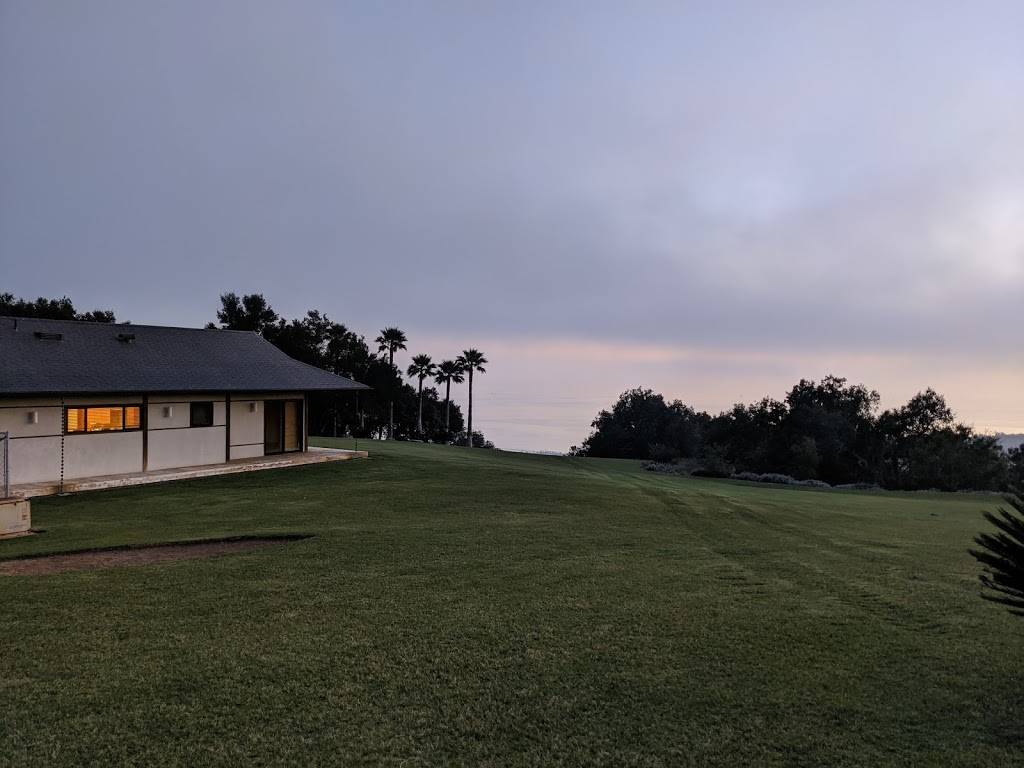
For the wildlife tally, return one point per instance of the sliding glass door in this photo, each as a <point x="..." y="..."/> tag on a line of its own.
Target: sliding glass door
<point x="282" y="426"/>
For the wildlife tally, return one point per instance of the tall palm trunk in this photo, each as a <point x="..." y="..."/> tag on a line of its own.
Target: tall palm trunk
<point x="447" y="402"/>
<point x="469" y="432"/>
<point x="391" y="403"/>
<point x="419" y="419"/>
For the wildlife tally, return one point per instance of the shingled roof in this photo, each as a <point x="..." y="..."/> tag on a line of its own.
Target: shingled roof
<point x="65" y="356"/>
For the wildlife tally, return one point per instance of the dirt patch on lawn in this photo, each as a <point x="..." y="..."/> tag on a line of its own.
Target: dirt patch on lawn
<point x="97" y="559"/>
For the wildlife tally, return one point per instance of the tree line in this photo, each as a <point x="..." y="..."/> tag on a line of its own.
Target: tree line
<point x="391" y="408"/>
<point x="50" y="309"/>
<point x="829" y="430"/>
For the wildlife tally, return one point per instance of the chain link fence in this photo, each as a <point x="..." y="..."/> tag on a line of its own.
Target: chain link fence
<point x="5" y="465"/>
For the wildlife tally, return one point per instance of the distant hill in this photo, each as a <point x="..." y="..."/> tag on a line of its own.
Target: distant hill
<point x="1009" y="441"/>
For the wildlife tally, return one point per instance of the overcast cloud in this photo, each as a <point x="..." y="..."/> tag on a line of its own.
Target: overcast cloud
<point x="711" y="200"/>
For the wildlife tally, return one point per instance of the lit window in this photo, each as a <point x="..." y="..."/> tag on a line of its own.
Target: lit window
<point x="76" y="419"/>
<point x="132" y="417"/>
<point x="201" y="415"/>
<point x="106" y="418"/>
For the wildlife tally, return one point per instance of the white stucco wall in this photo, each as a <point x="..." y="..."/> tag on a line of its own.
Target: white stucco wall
<point x="180" y="410"/>
<point x="35" y="448"/>
<point x="102" y="453"/>
<point x="35" y="460"/>
<point x="246" y="451"/>
<point x="171" y="442"/>
<point x="185" y="447"/>
<point x="14" y="418"/>
<point x="246" y="427"/>
<point x="247" y="436"/>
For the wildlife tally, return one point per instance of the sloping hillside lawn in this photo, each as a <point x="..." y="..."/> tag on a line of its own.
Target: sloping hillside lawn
<point x="463" y="607"/>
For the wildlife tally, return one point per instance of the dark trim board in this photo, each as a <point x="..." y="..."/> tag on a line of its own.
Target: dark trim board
<point x="32" y="407"/>
<point x="72" y="404"/>
<point x="227" y="426"/>
<point x="145" y="433"/>
<point x="171" y="429"/>
<point x="305" y="423"/>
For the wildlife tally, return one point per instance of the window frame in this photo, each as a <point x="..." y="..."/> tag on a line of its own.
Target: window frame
<point x="85" y="419"/>
<point x="192" y="414"/>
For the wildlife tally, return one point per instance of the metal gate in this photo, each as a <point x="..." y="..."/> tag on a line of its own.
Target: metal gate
<point x="5" y="465"/>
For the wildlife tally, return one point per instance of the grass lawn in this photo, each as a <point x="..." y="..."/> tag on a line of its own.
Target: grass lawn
<point x="482" y="608"/>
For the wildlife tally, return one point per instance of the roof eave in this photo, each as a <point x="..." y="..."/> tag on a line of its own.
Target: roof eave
<point x="180" y="390"/>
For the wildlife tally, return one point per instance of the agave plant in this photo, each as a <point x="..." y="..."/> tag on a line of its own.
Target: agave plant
<point x="1002" y="557"/>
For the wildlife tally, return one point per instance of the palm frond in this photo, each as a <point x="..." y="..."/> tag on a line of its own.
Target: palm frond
<point x="1002" y="557"/>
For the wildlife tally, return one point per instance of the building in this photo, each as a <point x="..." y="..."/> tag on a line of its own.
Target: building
<point x="82" y="399"/>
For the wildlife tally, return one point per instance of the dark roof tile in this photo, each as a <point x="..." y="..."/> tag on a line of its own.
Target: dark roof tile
<point x="103" y="357"/>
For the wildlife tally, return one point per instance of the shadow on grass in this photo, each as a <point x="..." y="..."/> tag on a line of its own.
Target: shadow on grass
<point x="136" y="555"/>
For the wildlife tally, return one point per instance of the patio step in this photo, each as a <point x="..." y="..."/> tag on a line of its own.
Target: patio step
<point x="104" y="482"/>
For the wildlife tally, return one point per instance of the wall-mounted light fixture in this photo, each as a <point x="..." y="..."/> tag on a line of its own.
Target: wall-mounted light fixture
<point x="252" y="407"/>
<point x="168" y="411"/>
<point x="33" y="417"/>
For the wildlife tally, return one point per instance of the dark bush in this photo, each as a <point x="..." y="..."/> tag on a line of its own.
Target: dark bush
<point x="812" y="483"/>
<point x="663" y="454"/>
<point x="778" y="479"/>
<point x="710" y="472"/>
<point x="714" y="463"/>
<point x="666" y="469"/>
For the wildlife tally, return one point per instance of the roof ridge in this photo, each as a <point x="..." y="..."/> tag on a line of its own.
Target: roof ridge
<point x="125" y="323"/>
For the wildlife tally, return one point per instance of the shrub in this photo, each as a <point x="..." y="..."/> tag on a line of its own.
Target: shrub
<point x="714" y="464"/>
<point x="803" y="457"/>
<point x="479" y="441"/>
<point x="858" y="487"/>
<point x="778" y="479"/>
<point x="710" y="472"/>
<point x="812" y="483"/>
<point x="666" y="469"/>
<point x="663" y="454"/>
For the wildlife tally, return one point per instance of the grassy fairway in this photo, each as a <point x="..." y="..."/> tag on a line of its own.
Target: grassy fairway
<point x="479" y="608"/>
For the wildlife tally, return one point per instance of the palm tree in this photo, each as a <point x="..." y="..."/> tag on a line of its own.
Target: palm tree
<point x="391" y="340"/>
<point x="447" y="372"/>
<point x="422" y="367"/>
<point x="471" y="360"/>
<point x="1002" y="556"/>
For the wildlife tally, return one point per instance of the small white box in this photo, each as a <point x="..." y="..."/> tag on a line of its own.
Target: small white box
<point x="15" y="518"/>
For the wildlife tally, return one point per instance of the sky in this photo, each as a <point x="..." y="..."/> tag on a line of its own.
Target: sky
<point x="712" y="200"/>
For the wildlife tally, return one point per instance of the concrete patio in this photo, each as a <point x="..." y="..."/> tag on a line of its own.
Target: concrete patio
<point x="278" y="461"/>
